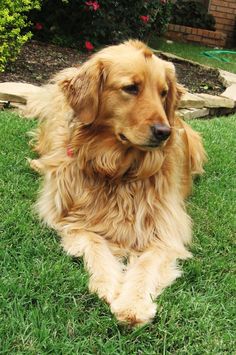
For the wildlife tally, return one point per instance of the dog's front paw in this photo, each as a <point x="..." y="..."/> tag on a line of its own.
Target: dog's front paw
<point x="136" y="311"/>
<point x="106" y="289"/>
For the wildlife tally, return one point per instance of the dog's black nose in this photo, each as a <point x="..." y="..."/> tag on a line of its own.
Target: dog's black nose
<point x="160" y="132"/>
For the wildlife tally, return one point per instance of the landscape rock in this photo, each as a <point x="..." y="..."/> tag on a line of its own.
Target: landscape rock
<point x="12" y="98"/>
<point x="16" y="92"/>
<point x="216" y="101"/>
<point x="188" y="114"/>
<point x="230" y="93"/>
<point x="191" y="101"/>
<point x="227" y="78"/>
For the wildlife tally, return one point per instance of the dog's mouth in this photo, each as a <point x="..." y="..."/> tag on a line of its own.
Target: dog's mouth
<point x="149" y="145"/>
<point x="152" y="145"/>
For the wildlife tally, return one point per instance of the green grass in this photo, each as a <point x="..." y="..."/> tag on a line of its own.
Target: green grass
<point x="195" y="52"/>
<point x="45" y="307"/>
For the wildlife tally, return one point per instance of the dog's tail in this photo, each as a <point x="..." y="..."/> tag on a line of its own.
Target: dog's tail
<point x="37" y="103"/>
<point x="48" y="100"/>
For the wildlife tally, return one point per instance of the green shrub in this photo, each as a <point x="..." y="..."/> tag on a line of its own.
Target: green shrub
<point x="79" y="22"/>
<point x="13" y="27"/>
<point x="193" y="14"/>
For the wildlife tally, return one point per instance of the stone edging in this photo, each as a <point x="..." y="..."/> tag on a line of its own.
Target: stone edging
<point x="205" y="105"/>
<point x="191" y="105"/>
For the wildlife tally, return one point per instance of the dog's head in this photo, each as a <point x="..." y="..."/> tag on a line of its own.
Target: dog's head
<point x="127" y="90"/>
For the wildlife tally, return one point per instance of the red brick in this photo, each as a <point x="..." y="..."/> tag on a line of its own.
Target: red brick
<point x="220" y="26"/>
<point x="217" y="14"/>
<point x="209" y="40"/>
<point x="210" y="34"/>
<point x="174" y="35"/>
<point x="224" y="9"/>
<point x="194" y="38"/>
<point x="188" y="29"/>
<point x="182" y="29"/>
<point x="170" y="34"/>
<point x="229" y="14"/>
<point x="176" y="28"/>
<point x="221" y="10"/>
<point x="219" y="3"/>
<point x="232" y="5"/>
<point x="221" y="34"/>
<point x="225" y="21"/>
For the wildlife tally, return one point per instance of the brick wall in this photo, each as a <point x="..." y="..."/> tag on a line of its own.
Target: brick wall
<point x="224" y="12"/>
<point x="197" y="35"/>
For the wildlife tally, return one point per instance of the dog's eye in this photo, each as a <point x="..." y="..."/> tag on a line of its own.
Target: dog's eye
<point x="132" y="89"/>
<point x="164" y="93"/>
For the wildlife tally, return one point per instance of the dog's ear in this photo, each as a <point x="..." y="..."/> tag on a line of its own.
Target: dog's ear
<point x="83" y="90"/>
<point x="175" y="92"/>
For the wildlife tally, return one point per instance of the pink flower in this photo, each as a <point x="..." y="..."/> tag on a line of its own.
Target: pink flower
<point x="38" y="26"/>
<point x="89" y="46"/>
<point x="95" y="5"/>
<point x="145" y="19"/>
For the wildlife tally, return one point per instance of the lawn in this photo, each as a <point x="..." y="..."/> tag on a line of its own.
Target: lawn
<point x="195" y="52"/>
<point x="45" y="307"/>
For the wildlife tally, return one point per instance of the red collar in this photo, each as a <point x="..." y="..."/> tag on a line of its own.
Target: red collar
<point x="70" y="152"/>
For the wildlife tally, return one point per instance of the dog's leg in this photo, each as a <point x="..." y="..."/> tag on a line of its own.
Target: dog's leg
<point x="105" y="271"/>
<point x="144" y="281"/>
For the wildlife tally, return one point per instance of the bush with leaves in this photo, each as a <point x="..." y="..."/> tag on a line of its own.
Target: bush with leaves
<point x="13" y="27"/>
<point x="85" y="24"/>
<point x="192" y="14"/>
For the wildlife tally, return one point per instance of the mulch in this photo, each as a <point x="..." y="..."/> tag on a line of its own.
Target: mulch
<point x="38" y="62"/>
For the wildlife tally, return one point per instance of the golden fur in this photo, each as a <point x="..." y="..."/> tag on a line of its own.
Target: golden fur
<point x="113" y="198"/>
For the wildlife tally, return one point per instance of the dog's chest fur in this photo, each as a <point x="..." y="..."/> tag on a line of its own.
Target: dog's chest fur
<point x="125" y="213"/>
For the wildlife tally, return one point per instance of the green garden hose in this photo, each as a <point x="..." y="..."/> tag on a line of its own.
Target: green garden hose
<point x="213" y="55"/>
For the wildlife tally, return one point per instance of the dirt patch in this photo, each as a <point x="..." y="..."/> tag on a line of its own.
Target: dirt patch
<point x="199" y="80"/>
<point x="38" y="61"/>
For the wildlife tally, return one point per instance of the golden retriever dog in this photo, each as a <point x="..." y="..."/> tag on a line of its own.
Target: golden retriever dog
<point x="117" y="165"/>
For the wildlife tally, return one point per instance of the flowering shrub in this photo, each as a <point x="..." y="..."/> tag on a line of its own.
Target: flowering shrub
<point x="88" y="24"/>
<point x="13" y="23"/>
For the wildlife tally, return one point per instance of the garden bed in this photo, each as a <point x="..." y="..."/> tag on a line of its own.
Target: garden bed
<point x="39" y="61"/>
